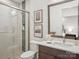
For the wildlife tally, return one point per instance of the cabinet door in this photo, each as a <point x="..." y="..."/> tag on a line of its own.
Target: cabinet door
<point x="66" y="57"/>
<point x="45" y="56"/>
<point x="57" y="58"/>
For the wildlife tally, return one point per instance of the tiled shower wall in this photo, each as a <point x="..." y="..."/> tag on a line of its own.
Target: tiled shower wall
<point x="11" y="41"/>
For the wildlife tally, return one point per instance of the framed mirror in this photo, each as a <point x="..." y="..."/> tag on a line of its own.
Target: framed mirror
<point x="63" y="18"/>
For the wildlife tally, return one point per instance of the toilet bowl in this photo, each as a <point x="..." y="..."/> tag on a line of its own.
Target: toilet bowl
<point x="28" y="55"/>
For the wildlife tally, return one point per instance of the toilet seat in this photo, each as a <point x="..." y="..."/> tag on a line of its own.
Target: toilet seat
<point x="28" y="54"/>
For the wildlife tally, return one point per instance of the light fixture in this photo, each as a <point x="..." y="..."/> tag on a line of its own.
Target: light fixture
<point x="70" y="29"/>
<point x="14" y="13"/>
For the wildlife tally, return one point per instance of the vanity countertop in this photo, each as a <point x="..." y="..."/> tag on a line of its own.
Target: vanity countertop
<point x="72" y="49"/>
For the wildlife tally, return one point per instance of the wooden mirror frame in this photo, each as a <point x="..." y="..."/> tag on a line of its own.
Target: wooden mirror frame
<point x="58" y="3"/>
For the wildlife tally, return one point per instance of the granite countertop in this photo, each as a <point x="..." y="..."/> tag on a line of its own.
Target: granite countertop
<point x="58" y="45"/>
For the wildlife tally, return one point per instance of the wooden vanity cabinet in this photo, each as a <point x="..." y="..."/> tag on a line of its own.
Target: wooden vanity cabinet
<point x="45" y="56"/>
<point x="51" y="53"/>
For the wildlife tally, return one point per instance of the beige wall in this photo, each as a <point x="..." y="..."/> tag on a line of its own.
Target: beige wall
<point x="11" y="37"/>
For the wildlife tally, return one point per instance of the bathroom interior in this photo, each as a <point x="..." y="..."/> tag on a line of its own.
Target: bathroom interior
<point x="39" y="29"/>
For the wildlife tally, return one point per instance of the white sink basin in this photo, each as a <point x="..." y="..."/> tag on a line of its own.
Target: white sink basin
<point x="62" y="44"/>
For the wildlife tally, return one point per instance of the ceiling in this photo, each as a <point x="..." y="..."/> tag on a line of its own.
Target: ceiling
<point x="18" y="1"/>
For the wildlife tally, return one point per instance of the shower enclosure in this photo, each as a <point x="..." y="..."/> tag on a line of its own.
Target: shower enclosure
<point x="14" y="30"/>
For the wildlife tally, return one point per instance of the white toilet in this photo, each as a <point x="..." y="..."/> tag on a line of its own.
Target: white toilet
<point x="28" y="55"/>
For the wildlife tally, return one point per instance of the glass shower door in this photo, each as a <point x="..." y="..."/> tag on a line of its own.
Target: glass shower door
<point x="11" y="32"/>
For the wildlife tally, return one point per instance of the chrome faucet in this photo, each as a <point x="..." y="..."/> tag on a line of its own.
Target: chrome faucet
<point x="64" y="32"/>
<point x="64" y="38"/>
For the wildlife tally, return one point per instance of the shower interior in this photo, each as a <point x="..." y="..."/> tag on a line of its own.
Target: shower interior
<point x="13" y="31"/>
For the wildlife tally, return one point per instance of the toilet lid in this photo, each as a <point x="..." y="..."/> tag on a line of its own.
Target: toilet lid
<point x="27" y="54"/>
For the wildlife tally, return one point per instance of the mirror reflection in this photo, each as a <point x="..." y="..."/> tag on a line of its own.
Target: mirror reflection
<point x="63" y="18"/>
